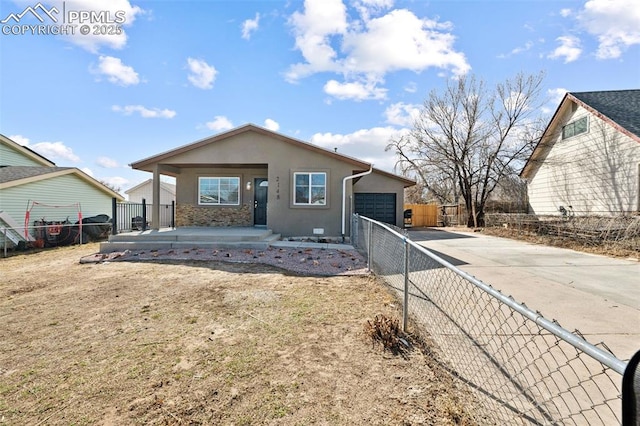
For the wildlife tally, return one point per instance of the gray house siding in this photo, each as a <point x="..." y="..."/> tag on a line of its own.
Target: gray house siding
<point x="251" y="152"/>
<point x="376" y="183"/>
<point x="240" y="153"/>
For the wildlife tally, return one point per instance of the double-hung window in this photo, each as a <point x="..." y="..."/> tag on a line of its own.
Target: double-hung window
<point x="215" y="191"/>
<point x="310" y="189"/>
<point x="581" y="125"/>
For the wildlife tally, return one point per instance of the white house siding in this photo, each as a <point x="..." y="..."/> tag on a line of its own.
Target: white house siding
<point x="595" y="172"/>
<point x="60" y="190"/>
<point x="10" y="157"/>
<point x="146" y="191"/>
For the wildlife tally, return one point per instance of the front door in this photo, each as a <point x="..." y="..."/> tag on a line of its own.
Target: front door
<point x="261" y="186"/>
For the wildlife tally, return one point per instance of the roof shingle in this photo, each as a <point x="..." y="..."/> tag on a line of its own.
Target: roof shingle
<point x="621" y="106"/>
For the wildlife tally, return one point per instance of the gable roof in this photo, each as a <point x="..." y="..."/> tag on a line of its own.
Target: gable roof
<point x="27" y="152"/>
<point x="361" y="165"/>
<point x="245" y="129"/>
<point x="618" y="108"/>
<point x="19" y="175"/>
<point x="167" y="186"/>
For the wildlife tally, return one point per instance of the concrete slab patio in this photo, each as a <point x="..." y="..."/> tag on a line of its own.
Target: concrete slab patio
<point x="207" y="237"/>
<point x="597" y="295"/>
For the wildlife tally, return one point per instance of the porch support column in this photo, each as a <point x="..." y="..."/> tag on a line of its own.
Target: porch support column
<point x="155" y="206"/>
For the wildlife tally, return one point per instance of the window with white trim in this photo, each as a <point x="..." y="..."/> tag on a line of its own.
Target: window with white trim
<point x="581" y="125"/>
<point x="217" y="191"/>
<point x="310" y="189"/>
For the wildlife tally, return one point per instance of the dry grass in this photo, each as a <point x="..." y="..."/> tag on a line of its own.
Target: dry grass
<point x="629" y="248"/>
<point x="194" y="342"/>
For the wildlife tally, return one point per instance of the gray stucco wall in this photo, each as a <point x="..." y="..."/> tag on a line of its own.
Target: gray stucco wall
<point x="250" y="155"/>
<point x="379" y="183"/>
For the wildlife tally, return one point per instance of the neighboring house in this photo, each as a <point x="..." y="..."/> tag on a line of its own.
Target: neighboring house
<point x="26" y="177"/>
<point x="588" y="159"/>
<point x="251" y="176"/>
<point x="144" y="191"/>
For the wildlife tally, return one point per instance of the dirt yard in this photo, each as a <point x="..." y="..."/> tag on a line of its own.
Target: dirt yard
<point x="193" y="342"/>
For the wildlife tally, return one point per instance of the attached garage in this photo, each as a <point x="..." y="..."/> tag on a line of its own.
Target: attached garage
<point x="377" y="206"/>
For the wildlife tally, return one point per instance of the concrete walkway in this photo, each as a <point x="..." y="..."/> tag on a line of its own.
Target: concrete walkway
<point x="597" y="295"/>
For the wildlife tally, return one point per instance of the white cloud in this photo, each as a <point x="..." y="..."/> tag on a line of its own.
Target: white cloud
<point x="106" y="10"/>
<point x="271" y="125"/>
<point x="87" y="171"/>
<point x="115" y="71"/>
<point x="115" y="181"/>
<point x="313" y="30"/>
<point x="20" y="140"/>
<point x="219" y="123"/>
<point x="411" y="87"/>
<point x="616" y="25"/>
<point x="365" y="144"/>
<point x="368" y="47"/>
<point x="556" y="95"/>
<point x="357" y="91"/>
<point x="569" y="49"/>
<point x="49" y="150"/>
<point x="107" y="163"/>
<point x="202" y="75"/>
<point x="143" y="111"/>
<point x="566" y="12"/>
<point x="249" y="26"/>
<point x="55" y="150"/>
<point x="401" y="114"/>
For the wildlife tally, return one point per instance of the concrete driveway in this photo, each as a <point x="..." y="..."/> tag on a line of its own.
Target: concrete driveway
<point x="597" y="295"/>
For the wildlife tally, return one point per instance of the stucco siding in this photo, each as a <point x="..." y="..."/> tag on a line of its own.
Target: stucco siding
<point x="276" y="160"/>
<point x="376" y="183"/>
<point x="595" y="172"/>
<point x="60" y="190"/>
<point x="250" y="152"/>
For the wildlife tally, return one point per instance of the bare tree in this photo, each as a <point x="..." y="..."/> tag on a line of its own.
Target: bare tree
<point x="114" y="188"/>
<point x="467" y="139"/>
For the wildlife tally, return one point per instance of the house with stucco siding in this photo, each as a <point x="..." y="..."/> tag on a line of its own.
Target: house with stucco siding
<point x="588" y="158"/>
<point x="251" y="176"/>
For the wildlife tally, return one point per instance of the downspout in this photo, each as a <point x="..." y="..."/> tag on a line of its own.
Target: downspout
<point x="344" y="196"/>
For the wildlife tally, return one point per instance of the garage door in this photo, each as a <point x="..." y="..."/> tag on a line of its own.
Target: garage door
<point x="377" y="206"/>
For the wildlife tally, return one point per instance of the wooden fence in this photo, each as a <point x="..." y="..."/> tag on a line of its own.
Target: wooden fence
<point x="437" y="215"/>
<point x="423" y="214"/>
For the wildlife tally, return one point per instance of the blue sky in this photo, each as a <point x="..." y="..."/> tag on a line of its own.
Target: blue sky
<point x="340" y="74"/>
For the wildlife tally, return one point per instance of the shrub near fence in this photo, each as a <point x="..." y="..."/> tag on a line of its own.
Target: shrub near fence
<point x="589" y="230"/>
<point x="523" y="368"/>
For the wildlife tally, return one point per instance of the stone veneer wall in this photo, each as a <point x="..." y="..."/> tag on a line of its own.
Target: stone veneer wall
<point x="190" y="215"/>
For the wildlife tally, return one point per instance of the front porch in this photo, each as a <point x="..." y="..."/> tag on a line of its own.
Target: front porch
<point x="191" y="237"/>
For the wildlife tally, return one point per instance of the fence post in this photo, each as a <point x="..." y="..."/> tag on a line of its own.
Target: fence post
<point x="144" y="214"/>
<point x="114" y="216"/>
<point x="370" y="246"/>
<point x="173" y="214"/>
<point x="405" y="309"/>
<point x="4" y="231"/>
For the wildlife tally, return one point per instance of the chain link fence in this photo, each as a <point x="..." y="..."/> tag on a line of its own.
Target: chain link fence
<point x="523" y="368"/>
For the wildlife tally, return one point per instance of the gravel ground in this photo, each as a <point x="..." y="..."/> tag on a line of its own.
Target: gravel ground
<point x="307" y="261"/>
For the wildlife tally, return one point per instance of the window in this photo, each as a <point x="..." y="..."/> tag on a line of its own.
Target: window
<point x="218" y="191"/>
<point x="581" y="125"/>
<point x="310" y="189"/>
